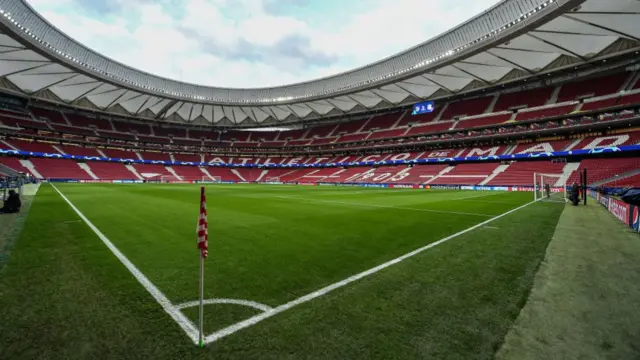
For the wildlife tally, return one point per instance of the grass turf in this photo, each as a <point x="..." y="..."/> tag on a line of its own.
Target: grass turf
<point x="64" y="295"/>
<point x="584" y="304"/>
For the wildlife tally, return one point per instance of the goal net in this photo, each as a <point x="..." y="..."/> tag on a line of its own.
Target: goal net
<point x="272" y="179"/>
<point x="210" y="179"/>
<point x="10" y="183"/>
<point x="165" y="179"/>
<point x="550" y="187"/>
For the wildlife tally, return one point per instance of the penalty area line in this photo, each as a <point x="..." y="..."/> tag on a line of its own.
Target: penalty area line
<point x="166" y="304"/>
<point x="325" y="290"/>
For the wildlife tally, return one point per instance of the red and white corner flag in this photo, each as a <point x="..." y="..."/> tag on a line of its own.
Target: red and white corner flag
<point x="203" y="231"/>
<point x="203" y="245"/>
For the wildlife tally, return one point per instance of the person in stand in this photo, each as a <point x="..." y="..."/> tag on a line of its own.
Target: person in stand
<point x="12" y="204"/>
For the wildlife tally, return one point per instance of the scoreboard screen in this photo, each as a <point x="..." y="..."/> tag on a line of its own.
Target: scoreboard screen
<point x="422" y="108"/>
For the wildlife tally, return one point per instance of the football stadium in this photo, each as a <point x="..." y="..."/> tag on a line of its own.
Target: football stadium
<point x="474" y="196"/>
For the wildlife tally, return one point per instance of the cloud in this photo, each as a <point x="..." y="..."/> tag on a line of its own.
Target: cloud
<point x="253" y="43"/>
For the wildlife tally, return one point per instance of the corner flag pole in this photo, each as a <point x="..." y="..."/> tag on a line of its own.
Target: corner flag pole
<point x="201" y="315"/>
<point x="203" y="245"/>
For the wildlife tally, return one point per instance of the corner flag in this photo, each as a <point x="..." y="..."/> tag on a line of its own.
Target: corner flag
<point x="203" y="231"/>
<point x="203" y="245"/>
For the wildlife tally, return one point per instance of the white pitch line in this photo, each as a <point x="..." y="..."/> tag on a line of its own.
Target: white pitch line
<point x="383" y="206"/>
<point x="168" y="307"/>
<point x="248" y="303"/>
<point x="301" y="300"/>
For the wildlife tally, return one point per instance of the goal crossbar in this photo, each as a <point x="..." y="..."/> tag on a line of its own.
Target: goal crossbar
<point x="550" y="187"/>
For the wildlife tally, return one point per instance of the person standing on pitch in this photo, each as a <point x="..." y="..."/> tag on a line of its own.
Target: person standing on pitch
<point x="12" y="204"/>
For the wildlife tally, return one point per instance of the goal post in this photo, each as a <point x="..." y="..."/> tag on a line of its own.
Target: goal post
<point x="166" y="179"/>
<point x="550" y="187"/>
<point x="8" y="183"/>
<point x="210" y="179"/>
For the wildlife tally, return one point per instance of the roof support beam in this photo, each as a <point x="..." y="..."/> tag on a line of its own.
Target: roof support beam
<point x="165" y="109"/>
<point x="437" y="83"/>
<point x="558" y="47"/>
<point x="602" y="27"/>
<point x="473" y="76"/>
<point x="86" y="92"/>
<point x="511" y="62"/>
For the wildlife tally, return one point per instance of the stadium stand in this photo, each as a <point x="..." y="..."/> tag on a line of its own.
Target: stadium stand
<point x="631" y="181"/>
<point x="591" y="87"/>
<point x="112" y="171"/>
<point x="599" y="170"/>
<point x="466" y="108"/>
<point x="59" y="169"/>
<point x="521" y="173"/>
<point x="523" y="99"/>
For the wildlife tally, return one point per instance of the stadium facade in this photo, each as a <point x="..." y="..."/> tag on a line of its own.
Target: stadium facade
<point x="516" y="44"/>
<point x="525" y="80"/>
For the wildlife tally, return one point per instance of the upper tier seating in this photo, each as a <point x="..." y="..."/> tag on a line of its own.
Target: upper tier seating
<point x="235" y="135"/>
<point x="419" y="119"/>
<point x="146" y="155"/>
<point x="483" y="121"/>
<point x="528" y="98"/>
<point x="592" y="87"/>
<point x="23" y="123"/>
<point x="199" y="134"/>
<point x="382" y="121"/>
<point x="127" y="127"/>
<point x="385" y="134"/>
<point x="545" y="146"/>
<point x="120" y="154"/>
<point x="33" y="146"/>
<point x="53" y="116"/>
<point x="79" y="150"/>
<point x="429" y="128"/>
<point x="466" y="107"/>
<point x="169" y="131"/>
<point x="349" y="127"/>
<point x="622" y="139"/>
<point x="264" y="135"/>
<point x="320" y="131"/>
<point x="547" y="112"/>
<point x="82" y="121"/>
<point x="599" y="104"/>
<point x="352" y="138"/>
<point x="292" y="134"/>
<point x="73" y="130"/>
<point x="187" y="157"/>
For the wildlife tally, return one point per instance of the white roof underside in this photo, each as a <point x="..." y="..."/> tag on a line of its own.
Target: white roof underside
<point x="594" y="29"/>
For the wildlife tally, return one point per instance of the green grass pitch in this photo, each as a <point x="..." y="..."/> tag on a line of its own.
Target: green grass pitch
<point x="63" y="294"/>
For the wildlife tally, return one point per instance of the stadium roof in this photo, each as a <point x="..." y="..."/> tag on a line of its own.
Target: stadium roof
<point x="513" y="40"/>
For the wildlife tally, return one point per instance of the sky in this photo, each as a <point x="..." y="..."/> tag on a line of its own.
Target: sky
<point x="253" y="43"/>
